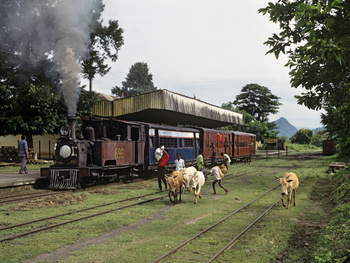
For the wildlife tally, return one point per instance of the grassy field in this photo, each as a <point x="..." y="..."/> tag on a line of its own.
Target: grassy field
<point x="143" y="233"/>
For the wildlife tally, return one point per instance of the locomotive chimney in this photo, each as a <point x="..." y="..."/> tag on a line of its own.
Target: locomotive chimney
<point x="71" y="122"/>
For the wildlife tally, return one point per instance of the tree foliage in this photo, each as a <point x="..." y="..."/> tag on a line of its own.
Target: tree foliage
<point x="31" y="101"/>
<point x="258" y="101"/>
<point x="138" y="81"/>
<point x="302" y="136"/>
<point x="315" y="35"/>
<point x="262" y="130"/>
<point x="105" y="42"/>
<point x="337" y="124"/>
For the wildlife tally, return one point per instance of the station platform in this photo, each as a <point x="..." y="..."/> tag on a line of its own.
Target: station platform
<point x="12" y="179"/>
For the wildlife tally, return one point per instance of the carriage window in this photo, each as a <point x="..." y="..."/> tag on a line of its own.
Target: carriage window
<point x="188" y="142"/>
<point x="243" y="144"/>
<point x="168" y="142"/>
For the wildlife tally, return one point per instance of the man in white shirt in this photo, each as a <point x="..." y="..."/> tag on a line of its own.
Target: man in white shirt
<point x="179" y="163"/>
<point x="227" y="159"/>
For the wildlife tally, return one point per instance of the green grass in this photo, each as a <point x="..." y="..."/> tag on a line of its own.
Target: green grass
<point x="178" y="222"/>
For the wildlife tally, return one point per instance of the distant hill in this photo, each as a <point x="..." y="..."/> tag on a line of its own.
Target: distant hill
<point x="285" y="128"/>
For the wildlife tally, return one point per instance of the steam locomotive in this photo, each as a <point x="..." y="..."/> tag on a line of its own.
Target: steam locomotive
<point x="110" y="149"/>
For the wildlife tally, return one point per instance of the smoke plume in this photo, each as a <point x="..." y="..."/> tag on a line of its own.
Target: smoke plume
<point x="57" y="30"/>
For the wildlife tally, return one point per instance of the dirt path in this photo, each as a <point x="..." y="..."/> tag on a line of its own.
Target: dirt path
<point x="309" y="225"/>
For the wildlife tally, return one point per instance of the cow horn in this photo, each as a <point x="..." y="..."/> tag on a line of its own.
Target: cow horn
<point x="276" y="177"/>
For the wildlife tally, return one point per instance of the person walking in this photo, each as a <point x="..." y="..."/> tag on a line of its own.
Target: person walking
<point x="179" y="163"/>
<point x="216" y="172"/>
<point x="161" y="169"/>
<point x="22" y="149"/>
<point x="227" y="159"/>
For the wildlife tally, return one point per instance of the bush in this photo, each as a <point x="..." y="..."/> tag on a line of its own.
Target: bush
<point x="334" y="243"/>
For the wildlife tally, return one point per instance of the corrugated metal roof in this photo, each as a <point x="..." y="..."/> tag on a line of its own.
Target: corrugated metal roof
<point x="171" y="108"/>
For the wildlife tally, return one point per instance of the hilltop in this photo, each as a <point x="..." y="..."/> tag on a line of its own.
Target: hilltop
<point x="285" y="128"/>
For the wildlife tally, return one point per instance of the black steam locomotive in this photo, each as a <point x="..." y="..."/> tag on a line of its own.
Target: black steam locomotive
<point x="110" y="149"/>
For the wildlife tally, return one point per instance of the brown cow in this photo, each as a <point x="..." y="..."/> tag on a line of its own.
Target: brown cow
<point x="289" y="185"/>
<point x="175" y="181"/>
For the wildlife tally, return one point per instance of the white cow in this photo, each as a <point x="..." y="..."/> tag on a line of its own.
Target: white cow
<point x="188" y="173"/>
<point x="198" y="181"/>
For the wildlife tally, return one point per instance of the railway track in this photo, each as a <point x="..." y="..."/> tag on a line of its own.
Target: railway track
<point x="27" y="196"/>
<point x="224" y="233"/>
<point x="47" y="225"/>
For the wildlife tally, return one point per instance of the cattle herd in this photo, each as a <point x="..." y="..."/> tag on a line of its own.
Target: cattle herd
<point x="191" y="179"/>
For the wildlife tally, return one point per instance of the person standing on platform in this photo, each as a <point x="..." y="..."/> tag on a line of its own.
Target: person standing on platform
<point x="161" y="169"/>
<point x="23" y="153"/>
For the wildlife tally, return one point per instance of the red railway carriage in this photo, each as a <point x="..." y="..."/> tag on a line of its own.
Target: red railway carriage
<point x="244" y="144"/>
<point x="220" y="140"/>
<point x="238" y="145"/>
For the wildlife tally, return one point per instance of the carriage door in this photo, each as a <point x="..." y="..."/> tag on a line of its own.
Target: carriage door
<point x="135" y="137"/>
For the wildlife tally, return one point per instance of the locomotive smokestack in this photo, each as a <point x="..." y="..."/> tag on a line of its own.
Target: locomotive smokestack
<point x="71" y="122"/>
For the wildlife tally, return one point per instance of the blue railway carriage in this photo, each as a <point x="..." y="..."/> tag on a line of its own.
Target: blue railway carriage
<point x="175" y="139"/>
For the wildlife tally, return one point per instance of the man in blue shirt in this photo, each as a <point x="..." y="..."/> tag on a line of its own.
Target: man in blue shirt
<point x="23" y="153"/>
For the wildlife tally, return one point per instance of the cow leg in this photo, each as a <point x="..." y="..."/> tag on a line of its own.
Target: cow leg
<point x="170" y="194"/>
<point x="180" y="194"/>
<point x="294" y="193"/>
<point x="282" y="199"/>
<point x="195" y="198"/>
<point x="289" y="199"/>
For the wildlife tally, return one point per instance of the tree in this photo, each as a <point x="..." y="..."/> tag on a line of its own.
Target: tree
<point x="337" y="126"/>
<point x="138" y="81"/>
<point x="87" y="102"/>
<point x="262" y="130"/>
<point x="302" y="136"/>
<point x="258" y="101"/>
<point x="35" y="38"/>
<point x="105" y="42"/>
<point x="315" y="35"/>
<point x="318" y="138"/>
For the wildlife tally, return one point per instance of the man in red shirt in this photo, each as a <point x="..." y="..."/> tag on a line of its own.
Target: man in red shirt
<point x="161" y="169"/>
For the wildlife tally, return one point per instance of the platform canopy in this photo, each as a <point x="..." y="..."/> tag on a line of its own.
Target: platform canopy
<point x="166" y="107"/>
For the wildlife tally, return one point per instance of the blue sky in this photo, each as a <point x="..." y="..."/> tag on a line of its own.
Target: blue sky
<point x="203" y="48"/>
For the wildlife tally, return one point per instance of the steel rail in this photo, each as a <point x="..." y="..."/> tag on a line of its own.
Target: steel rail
<point x="212" y="226"/>
<point x="240" y="234"/>
<point x="30" y="196"/>
<point x="78" y="219"/>
<point x="222" y="220"/>
<point x="20" y="195"/>
<point x="247" y="228"/>
<point x="76" y="211"/>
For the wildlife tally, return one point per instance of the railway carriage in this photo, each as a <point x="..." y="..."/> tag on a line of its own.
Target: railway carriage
<point x="175" y="140"/>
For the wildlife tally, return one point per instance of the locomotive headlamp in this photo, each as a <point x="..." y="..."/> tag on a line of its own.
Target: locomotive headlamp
<point x="64" y="130"/>
<point x="65" y="151"/>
